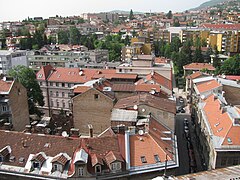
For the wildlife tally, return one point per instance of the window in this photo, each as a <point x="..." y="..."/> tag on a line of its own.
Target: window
<point x="1" y="159"/>
<point x="143" y="159"/>
<point x="116" y="166"/>
<point x="52" y="103"/>
<point x="96" y="96"/>
<point x="63" y="94"/>
<point x="57" y="167"/>
<point x="57" y="94"/>
<point x="98" y="169"/>
<point x="63" y="84"/>
<point x="36" y="165"/>
<point x="157" y="159"/>
<point x="40" y="83"/>
<point x="57" y="104"/>
<point x="57" y="84"/>
<point x="63" y="104"/>
<point x="4" y="108"/>
<point x="51" y="93"/>
<point x="69" y="85"/>
<point x="80" y="171"/>
<point x="120" y="70"/>
<point x="51" y="84"/>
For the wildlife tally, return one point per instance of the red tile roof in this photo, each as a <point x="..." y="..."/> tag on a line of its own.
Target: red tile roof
<point x="195" y="75"/>
<point x="77" y="75"/>
<point x="44" y="72"/>
<point x="207" y="86"/>
<point x="159" y="79"/>
<point x="147" y="99"/>
<point x="81" y="89"/>
<point x="5" y="86"/>
<point x="198" y="66"/>
<point x="222" y="26"/>
<point x="135" y="88"/>
<point x="22" y="145"/>
<point x="233" y="77"/>
<point x="145" y="146"/>
<point x="219" y="122"/>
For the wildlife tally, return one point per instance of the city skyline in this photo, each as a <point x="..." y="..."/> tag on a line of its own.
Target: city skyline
<point x="21" y="10"/>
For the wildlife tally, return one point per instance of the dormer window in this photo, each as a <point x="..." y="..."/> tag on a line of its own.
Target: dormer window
<point x="36" y="165"/>
<point x="98" y="169"/>
<point x="116" y="166"/>
<point x="80" y="171"/>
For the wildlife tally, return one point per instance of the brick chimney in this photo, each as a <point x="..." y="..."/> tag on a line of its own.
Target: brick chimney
<point x="74" y="132"/>
<point x="28" y="128"/>
<point x="7" y="126"/>
<point x="90" y="130"/>
<point x="58" y="131"/>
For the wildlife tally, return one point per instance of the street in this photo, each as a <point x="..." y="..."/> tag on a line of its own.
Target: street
<point x="183" y="155"/>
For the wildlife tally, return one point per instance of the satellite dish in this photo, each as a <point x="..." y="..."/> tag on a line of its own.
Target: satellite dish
<point x="135" y="107"/>
<point x="64" y="134"/>
<point x="140" y="132"/>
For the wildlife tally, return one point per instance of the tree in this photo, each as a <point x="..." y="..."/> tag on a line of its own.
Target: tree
<point x="167" y="51"/>
<point x="27" y="78"/>
<point x="169" y="15"/>
<point x="231" y="66"/>
<point x="216" y="60"/>
<point x="175" y="44"/>
<point x="74" y="35"/>
<point x="63" y="37"/>
<point x="131" y="15"/>
<point x="208" y="53"/>
<point x="186" y="50"/>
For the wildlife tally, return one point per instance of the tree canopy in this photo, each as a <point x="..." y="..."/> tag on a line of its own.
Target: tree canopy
<point x="231" y="66"/>
<point x="27" y="78"/>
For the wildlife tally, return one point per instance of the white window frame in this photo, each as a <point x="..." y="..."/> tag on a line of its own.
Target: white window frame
<point x="80" y="171"/>
<point x="116" y="166"/>
<point x="99" y="167"/>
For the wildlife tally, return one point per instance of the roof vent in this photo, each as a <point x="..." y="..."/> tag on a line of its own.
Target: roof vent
<point x="229" y="140"/>
<point x="12" y="159"/>
<point x="21" y="160"/>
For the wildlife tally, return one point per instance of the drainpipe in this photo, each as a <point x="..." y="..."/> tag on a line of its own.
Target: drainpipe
<point x="127" y="149"/>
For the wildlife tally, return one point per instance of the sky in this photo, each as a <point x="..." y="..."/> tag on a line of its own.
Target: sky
<point x="15" y="10"/>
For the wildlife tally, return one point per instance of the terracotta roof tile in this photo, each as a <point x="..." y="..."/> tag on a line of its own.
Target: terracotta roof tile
<point x="5" y="86"/>
<point x="22" y="145"/>
<point x="198" y="66"/>
<point x="147" y="87"/>
<point x="61" y="159"/>
<point x="40" y="157"/>
<point x="232" y="137"/>
<point x="222" y="26"/>
<point x="147" y="99"/>
<point x="159" y="79"/>
<point x="219" y="122"/>
<point x="207" y="86"/>
<point x="195" y="75"/>
<point x="144" y="146"/>
<point x="112" y="156"/>
<point x="81" y="89"/>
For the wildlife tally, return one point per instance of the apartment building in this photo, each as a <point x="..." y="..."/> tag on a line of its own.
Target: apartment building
<point x="69" y="58"/>
<point x="13" y="105"/>
<point x="57" y="84"/>
<point x="10" y="59"/>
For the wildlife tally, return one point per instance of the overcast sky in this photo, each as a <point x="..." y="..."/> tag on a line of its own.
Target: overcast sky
<point x="21" y="9"/>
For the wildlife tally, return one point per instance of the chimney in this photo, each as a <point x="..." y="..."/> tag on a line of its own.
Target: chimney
<point x="224" y="109"/>
<point x="59" y="131"/>
<point x="74" y="132"/>
<point x="2" y="122"/>
<point x="7" y="126"/>
<point x="28" y="128"/>
<point x="90" y="130"/>
<point x="127" y="149"/>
